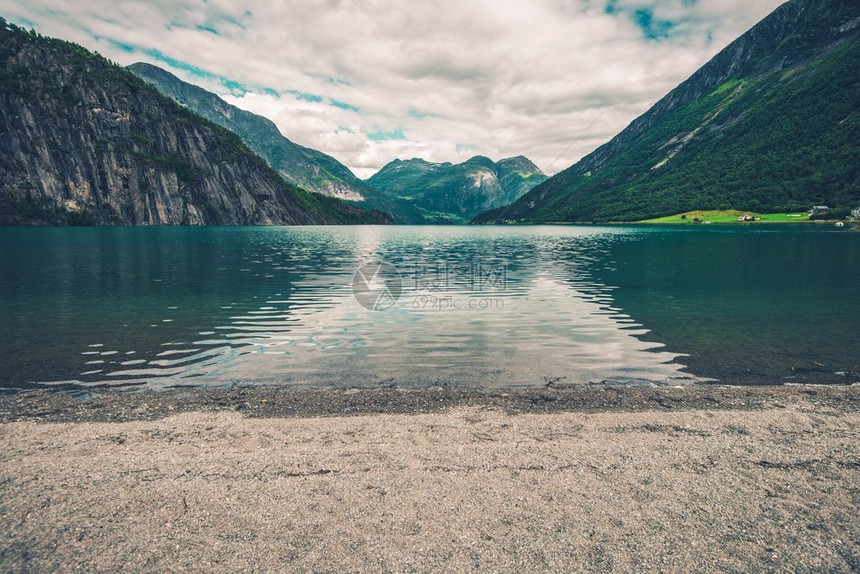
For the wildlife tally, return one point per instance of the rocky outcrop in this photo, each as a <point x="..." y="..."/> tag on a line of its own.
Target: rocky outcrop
<point x="86" y="142"/>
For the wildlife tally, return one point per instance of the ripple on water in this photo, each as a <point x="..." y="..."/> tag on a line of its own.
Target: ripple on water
<point x="476" y="307"/>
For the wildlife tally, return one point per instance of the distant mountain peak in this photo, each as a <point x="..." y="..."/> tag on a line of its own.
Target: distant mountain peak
<point x="520" y="161"/>
<point x="448" y="192"/>
<point x="482" y="161"/>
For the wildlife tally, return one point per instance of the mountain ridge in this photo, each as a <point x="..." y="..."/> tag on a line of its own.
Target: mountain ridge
<point x="302" y="166"/>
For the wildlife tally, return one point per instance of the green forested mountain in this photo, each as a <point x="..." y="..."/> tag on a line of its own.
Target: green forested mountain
<point x="445" y="192"/>
<point x="84" y="141"/>
<point x="772" y="123"/>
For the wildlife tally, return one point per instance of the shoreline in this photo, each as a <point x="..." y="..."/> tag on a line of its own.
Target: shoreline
<point x="116" y="405"/>
<point x="702" y="478"/>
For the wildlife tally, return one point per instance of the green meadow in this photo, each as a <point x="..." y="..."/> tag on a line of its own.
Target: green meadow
<point x="729" y="216"/>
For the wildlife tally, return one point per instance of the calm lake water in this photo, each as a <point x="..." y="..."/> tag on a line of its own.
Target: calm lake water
<point x="484" y="307"/>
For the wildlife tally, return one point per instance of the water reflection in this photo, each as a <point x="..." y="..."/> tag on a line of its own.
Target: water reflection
<point x="164" y="307"/>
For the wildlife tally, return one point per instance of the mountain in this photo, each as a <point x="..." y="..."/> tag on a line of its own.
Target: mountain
<point x="770" y="124"/>
<point x="392" y="190"/>
<point x="84" y="141"/>
<point x="445" y="192"/>
<point x="304" y="167"/>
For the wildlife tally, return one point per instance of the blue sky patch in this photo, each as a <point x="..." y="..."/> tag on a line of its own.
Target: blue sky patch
<point x="379" y="136"/>
<point x="343" y="106"/>
<point x="24" y="23"/>
<point x="653" y="28"/>
<point x="236" y="88"/>
<point x="213" y="24"/>
<point x="305" y="97"/>
<point x="205" y="28"/>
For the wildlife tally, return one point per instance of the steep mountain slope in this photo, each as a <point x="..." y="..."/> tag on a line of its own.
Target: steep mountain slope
<point x="304" y="167"/>
<point x="86" y="142"/>
<point x="448" y="192"/>
<point x="772" y="123"/>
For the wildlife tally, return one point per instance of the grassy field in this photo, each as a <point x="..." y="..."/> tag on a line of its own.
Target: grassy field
<point x="730" y="216"/>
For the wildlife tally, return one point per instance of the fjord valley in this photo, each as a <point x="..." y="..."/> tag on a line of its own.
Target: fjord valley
<point x="770" y="124"/>
<point x="413" y="191"/>
<point x="213" y="357"/>
<point x="85" y="142"/>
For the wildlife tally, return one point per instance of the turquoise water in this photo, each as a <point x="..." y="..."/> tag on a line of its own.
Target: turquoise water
<point x="490" y="307"/>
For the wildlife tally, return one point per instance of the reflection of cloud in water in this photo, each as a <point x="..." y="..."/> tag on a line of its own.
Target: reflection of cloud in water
<point x="333" y="341"/>
<point x="555" y="325"/>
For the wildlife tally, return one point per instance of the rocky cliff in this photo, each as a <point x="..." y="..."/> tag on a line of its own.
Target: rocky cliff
<point x="86" y="142"/>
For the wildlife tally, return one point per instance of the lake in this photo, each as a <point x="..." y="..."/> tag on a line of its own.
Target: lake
<point x="421" y="306"/>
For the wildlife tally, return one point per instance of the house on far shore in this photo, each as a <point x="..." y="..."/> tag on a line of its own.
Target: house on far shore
<point x="855" y="213"/>
<point x="816" y="209"/>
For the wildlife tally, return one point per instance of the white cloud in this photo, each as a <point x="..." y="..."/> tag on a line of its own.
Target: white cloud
<point x="455" y="77"/>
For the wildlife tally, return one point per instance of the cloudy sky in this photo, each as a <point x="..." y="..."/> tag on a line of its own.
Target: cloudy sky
<point x="368" y="81"/>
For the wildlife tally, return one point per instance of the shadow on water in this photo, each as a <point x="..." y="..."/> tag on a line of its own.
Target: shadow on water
<point x="747" y="304"/>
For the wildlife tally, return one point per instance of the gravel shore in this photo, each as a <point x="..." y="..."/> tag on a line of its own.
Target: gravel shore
<point x="700" y="478"/>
